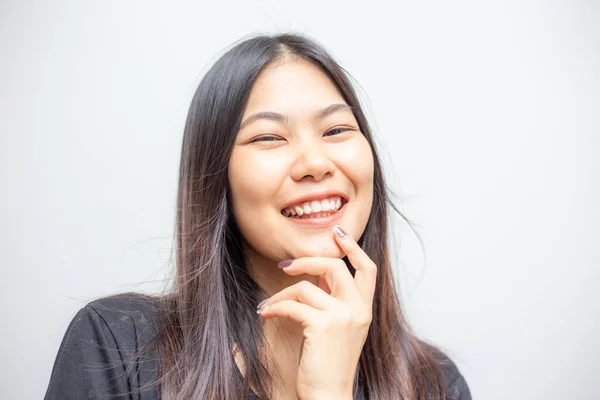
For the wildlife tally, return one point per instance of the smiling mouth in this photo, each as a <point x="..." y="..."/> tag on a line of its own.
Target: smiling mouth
<point x="315" y="209"/>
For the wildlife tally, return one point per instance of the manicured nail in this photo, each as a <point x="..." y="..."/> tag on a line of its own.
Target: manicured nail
<point x="262" y="303"/>
<point x="262" y="309"/>
<point x="339" y="231"/>
<point x="285" y="263"/>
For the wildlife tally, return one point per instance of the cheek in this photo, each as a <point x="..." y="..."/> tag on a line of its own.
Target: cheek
<point x="356" y="161"/>
<point x="254" y="182"/>
<point x="357" y="164"/>
<point x="252" y="178"/>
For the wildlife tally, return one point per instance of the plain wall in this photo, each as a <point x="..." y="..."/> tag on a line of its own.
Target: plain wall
<point x="489" y="116"/>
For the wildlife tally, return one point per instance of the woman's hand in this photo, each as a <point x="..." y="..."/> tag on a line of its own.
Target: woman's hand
<point x="335" y="324"/>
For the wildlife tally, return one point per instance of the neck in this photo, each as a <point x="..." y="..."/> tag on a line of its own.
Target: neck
<point x="272" y="280"/>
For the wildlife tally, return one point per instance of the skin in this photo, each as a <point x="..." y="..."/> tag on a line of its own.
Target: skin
<point x="317" y="316"/>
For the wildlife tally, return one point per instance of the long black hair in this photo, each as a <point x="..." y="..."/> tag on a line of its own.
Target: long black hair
<point x="212" y="305"/>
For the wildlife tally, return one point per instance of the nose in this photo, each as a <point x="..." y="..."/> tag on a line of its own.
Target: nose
<point x="312" y="162"/>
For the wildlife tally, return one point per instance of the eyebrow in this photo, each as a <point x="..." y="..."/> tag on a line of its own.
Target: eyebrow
<point x="273" y="116"/>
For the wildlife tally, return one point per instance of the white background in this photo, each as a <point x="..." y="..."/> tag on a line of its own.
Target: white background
<point x="490" y="116"/>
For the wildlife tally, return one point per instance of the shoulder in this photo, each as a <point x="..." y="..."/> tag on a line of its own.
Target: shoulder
<point x="457" y="385"/>
<point x="99" y="351"/>
<point x="125" y="309"/>
<point x="121" y="303"/>
<point x="130" y="318"/>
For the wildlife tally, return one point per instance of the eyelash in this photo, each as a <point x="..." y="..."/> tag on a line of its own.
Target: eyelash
<point x="337" y="129"/>
<point x="261" y="138"/>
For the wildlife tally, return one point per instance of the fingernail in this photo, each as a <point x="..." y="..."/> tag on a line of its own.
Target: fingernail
<point x="261" y="310"/>
<point x="339" y="231"/>
<point x="262" y="303"/>
<point x="285" y="263"/>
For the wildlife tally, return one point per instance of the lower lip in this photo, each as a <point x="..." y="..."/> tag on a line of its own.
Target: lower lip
<point x="319" y="222"/>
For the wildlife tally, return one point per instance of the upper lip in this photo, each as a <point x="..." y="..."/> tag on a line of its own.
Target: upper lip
<point x="315" y="196"/>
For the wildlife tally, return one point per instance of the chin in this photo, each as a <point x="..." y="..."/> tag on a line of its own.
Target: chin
<point x="318" y="250"/>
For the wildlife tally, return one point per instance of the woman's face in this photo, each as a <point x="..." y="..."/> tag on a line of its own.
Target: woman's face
<point x="303" y="154"/>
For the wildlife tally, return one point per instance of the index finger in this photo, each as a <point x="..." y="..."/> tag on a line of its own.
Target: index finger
<point x="334" y="270"/>
<point x="366" y="270"/>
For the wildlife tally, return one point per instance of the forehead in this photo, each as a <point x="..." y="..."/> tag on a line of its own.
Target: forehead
<point x="292" y="87"/>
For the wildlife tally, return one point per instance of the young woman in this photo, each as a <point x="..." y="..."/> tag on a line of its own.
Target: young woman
<point x="283" y="286"/>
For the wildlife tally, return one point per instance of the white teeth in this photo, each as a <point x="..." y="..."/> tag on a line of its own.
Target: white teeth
<point x="314" y="209"/>
<point x="315" y="206"/>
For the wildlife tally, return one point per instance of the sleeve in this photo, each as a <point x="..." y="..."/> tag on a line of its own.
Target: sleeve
<point x="457" y="385"/>
<point x="459" y="390"/>
<point x="89" y="364"/>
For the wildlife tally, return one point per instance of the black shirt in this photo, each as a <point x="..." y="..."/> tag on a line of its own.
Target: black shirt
<point x="92" y="360"/>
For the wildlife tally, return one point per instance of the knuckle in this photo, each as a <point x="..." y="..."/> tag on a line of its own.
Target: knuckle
<point x="361" y="322"/>
<point x="370" y="265"/>
<point x="370" y="268"/>
<point x="364" y="320"/>
<point x="303" y="286"/>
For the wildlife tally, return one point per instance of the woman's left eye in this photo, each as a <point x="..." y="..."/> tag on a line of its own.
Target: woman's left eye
<point x="339" y="130"/>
